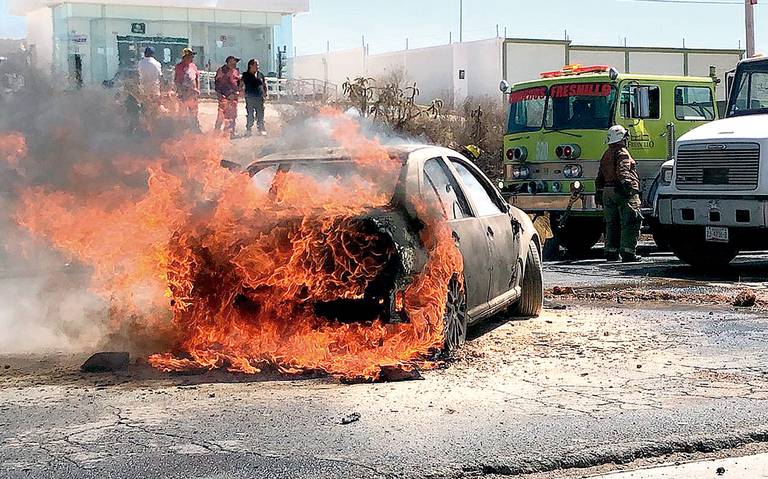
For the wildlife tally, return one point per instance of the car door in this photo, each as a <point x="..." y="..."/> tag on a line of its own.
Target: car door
<point x="441" y="188"/>
<point x="501" y="234"/>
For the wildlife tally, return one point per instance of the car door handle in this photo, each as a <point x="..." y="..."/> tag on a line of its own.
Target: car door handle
<point x="490" y="232"/>
<point x="456" y="238"/>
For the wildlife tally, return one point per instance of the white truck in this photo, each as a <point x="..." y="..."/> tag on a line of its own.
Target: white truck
<point x="713" y="203"/>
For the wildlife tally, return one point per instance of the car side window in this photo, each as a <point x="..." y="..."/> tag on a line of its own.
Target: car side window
<point x="441" y="184"/>
<point x="486" y="206"/>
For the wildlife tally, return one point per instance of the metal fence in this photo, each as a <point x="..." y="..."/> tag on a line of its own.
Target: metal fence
<point x="282" y="89"/>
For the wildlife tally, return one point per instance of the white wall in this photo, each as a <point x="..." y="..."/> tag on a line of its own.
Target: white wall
<point x="608" y="57"/>
<point x="333" y="67"/>
<point x="484" y="70"/>
<point x="432" y="69"/>
<point x="657" y="63"/>
<point x="527" y="61"/>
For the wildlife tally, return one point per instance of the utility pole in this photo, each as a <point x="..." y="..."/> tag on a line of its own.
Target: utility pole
<point x="749" y="17"/>
<point x="461" y="21"/>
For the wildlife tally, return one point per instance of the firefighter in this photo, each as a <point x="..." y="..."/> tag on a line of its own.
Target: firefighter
<point x="618" y="192"/>
<point x="472" y="152"/>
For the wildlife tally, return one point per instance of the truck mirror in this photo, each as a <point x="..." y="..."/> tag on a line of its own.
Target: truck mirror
<point x="504" y="86"/>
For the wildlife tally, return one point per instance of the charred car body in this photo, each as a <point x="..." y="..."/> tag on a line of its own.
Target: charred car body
<point x="499" y="245"/>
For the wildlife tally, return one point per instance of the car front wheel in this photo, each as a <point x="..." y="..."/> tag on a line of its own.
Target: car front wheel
<point x="455" y="318"/>
<point x="532" y="289"/>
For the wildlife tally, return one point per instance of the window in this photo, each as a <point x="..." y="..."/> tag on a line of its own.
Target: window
<point x="526" y="111"/>
<point x="641" y="102"/>
<point x="486" y="206"/>
<point x="442" y="187"/>
<point x="585" y="106"/>
<point x="751" y="94"/>
<point x="694" y="103"/>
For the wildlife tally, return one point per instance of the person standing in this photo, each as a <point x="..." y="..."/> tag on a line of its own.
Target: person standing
<point x="255" y="85"/>
<point x="187" y="80"/>
<point x="227" y="85"/>
<point x="150" y="74"/>
<point x="618" y="192"/>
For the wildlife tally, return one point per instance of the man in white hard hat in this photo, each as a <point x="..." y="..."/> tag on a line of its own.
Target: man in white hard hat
<point x="618" y="192"/>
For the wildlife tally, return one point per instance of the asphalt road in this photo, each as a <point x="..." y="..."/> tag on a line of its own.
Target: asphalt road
<point x="609" y="379"/>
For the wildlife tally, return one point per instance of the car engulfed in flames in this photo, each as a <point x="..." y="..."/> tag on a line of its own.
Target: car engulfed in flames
<point x="331" y="260"/>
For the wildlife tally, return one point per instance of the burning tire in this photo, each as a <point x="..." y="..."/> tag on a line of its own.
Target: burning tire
<point x="455" y="319"/>
<point x="532" y="300"/>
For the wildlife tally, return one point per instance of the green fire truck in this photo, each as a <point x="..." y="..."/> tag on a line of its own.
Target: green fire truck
<point x="556" y="136"/>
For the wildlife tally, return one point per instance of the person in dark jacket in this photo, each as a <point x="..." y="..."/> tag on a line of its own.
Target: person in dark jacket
<point x="255" y="85"/>
<point x="618" y="192"/>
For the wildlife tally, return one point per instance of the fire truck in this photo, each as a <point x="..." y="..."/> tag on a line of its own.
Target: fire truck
<point x="714" y="199"/>
<point x="556" y="132"/>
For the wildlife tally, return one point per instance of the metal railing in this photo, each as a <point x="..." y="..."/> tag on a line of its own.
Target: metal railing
<point x="281" y="89"/>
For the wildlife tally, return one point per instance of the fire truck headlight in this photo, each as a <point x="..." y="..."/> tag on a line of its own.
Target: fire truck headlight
<point x="556" y="187"/>
<point x="521" y="153"/>
<point x="501" y="185"/>
<point x="576" y="186"/>
<point x="573" y="171"/>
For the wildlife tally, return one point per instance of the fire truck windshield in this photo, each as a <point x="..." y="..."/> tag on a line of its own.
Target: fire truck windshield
<point x="580" y="106"/>
<point x="566" y="106"/>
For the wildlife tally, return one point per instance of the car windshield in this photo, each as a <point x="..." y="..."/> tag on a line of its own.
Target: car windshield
<point x="751" y="93"/>
<point x="527" y="109"/>
<point x="580" y="106"/>
<point x="323" y="180"/>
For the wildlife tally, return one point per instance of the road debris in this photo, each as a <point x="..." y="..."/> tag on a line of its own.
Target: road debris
<point x="350" y="418"/>
<point x="745" y="299"/>
<point x="106" y="362"/>
<point x="391" y="374"/>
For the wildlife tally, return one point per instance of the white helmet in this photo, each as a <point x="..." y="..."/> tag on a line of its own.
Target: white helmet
<point x="616" y="134"/>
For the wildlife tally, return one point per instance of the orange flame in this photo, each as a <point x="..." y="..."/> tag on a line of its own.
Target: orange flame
<point x="241" y="268"/>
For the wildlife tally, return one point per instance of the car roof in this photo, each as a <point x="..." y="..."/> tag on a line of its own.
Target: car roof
<point x="401" y="150"/>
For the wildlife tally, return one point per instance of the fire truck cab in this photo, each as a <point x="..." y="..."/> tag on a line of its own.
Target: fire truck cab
<point x="714" y="201"/>
<point x="556" y="132"/>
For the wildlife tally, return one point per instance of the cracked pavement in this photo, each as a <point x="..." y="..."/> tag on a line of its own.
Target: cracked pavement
<point x="607" y="381"/>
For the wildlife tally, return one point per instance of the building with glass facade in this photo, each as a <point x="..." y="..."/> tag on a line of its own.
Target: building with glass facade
<point x="91" y="41"/>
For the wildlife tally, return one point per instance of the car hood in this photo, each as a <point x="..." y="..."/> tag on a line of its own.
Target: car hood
<point x="748" y="127"/>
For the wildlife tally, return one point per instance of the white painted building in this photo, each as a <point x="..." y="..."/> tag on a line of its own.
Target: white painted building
<point x="94" y="39"/>
<point x="458" y="71"/>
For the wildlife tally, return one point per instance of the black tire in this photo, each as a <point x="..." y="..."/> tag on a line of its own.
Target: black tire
<point x="579" y="235"/>
<point x="660" y="235"/>
<point x="702" y="255"/>
<point x="532" y="288"/>
<point x="455" y="319"/>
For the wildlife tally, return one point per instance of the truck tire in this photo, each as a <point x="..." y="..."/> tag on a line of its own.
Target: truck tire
<point x="532" y="288"/>
<point x="702" y="255"/>
<point x="660" y="235"/>
<point x="580" y="235"/>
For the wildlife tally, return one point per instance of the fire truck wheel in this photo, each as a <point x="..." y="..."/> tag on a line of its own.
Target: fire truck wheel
<point x="455" y="318"/>
<point x="580" y="235"/>
<point x="532" y="288"/>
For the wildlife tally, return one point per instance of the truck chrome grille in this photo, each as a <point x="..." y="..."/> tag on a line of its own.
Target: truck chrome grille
<point x="711" y="166"/>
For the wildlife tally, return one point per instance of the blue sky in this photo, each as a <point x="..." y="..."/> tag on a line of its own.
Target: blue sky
<point x="386" y="24"/>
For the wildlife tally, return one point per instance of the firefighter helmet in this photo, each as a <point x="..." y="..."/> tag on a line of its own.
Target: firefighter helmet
<point x="616" y="134"/>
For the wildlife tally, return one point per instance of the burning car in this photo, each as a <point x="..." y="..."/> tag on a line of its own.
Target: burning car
<point x="498" y="243"/>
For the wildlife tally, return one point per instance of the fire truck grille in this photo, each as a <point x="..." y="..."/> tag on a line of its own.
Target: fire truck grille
<point x="711" y="166"/>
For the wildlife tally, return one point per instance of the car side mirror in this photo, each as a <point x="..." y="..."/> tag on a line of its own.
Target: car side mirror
<point x="448" y="188"/>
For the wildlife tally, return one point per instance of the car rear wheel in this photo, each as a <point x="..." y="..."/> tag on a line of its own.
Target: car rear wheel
<point x="532" y="289"/>
<point x="455" y="318"/>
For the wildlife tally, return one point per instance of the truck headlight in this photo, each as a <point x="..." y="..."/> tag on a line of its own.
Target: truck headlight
<point x="521" y="172"/>
<point x="573" y="171"/>
<point x="666" y="176"/>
